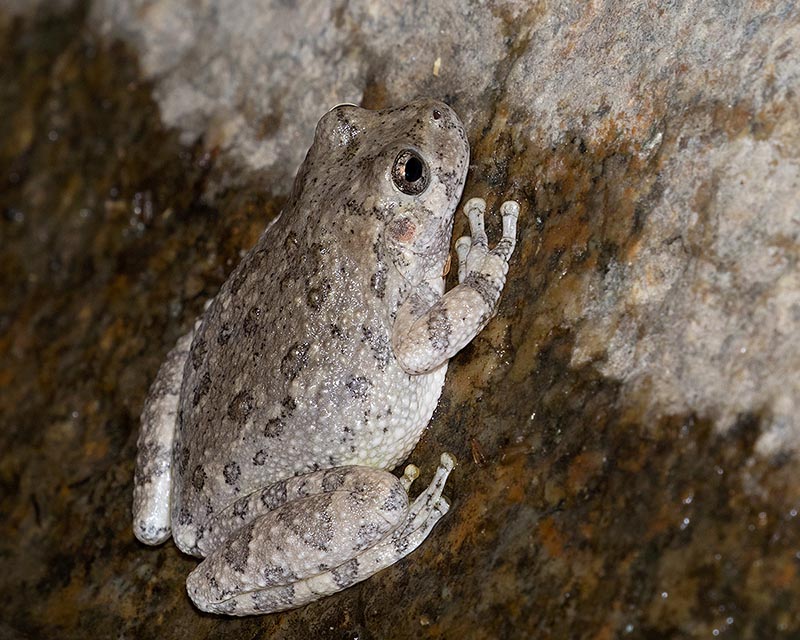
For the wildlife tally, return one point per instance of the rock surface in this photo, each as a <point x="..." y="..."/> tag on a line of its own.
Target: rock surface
<point x="627" y="425"/>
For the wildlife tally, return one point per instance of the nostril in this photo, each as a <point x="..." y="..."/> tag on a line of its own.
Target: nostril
<point x="437" y="114"/>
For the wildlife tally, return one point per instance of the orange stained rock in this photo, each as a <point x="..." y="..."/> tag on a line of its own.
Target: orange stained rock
<point x="551" y="538"/>
<point x="583" y="467"/>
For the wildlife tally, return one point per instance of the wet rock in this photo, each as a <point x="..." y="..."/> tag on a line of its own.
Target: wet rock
<point x="626" y="426"/>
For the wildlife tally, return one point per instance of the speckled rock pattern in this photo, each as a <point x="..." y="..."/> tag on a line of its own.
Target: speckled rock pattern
<point x="626" y="426"/>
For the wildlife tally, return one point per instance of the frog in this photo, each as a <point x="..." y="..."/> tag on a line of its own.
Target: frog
<point x="269" y="435"/>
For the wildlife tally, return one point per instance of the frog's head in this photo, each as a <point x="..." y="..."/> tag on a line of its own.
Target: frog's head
<point x="402" y="171"/>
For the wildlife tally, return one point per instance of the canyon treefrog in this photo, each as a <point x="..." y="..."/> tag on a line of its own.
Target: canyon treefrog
<point x="269" y="431"/>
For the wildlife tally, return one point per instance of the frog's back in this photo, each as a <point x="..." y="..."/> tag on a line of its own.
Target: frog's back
<point x="306" y="380"/>
<point x="292" y="368"/>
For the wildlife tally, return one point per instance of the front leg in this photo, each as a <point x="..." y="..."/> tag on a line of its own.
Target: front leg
<point x="430" y="330"/>
<point x="311" y="536"/>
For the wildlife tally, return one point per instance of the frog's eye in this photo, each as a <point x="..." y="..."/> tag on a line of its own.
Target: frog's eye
<point x="410" y="173"/>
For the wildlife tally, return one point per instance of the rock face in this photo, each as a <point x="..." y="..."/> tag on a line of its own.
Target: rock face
<point x="627" y="425"/>
<point x="688" y="114"/>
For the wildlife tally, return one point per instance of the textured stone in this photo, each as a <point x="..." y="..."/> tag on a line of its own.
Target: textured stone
<point x="691" y="105"/>
<point x="626" y="426"/>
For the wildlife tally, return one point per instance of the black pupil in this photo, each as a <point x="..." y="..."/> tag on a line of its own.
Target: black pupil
<point x="413" y="169"/>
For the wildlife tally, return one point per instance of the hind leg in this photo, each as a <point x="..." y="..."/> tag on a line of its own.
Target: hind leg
<point x="153" y="475"/>
<point x="351" y="523"/>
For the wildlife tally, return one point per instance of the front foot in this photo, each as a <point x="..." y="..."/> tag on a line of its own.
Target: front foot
<point x="474" y="257"/>
<point x="425" y="336"/>
<point x="320" y="544"/>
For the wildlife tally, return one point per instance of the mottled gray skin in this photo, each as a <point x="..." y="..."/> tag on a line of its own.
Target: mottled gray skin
<point x="317" y="366"/>
<point x="292" y="369"/>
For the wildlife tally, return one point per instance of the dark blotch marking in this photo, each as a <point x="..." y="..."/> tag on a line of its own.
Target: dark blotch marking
<point x="275" y="574"/>
<point x="379" y="345"/>
<point x="198" y="478"/>
<point x="346" y="574"/>
<point x="201" y="388"/>
<point x="484" y="286"/>
<point x="237" y="551"/>
<point x="368" y="534"/>
<point x="183" y="459"/>
<point x="333" y="479"/>
<point x="241" y="508"/>
<point x="238" y="280"/>
<point x="439" y="329"/>
<point x="450" y="180"/>
<point x="361" y="493"/>
<point x="359" y="387"/>
<point x="232" y="471"/>
<point x="378" y="279"/>
<point x="274" y="428"/>
<point x="149" y="451"/>
<point x="184" y="516"/>
<point x="302" y="489"/>
<point x="252" y="322"/>
<point x="274" y="495"/>
<point x="378" y="283"/>
<point x="295" y="360"/>
<point x="317" y="295"/>
<point x="397" y="500"/>
<point x="229" y="606"/>
<point x="401" y="546"/>
<point x="199" y="350"/>
<point x="260" y="459"/>
<point x="289" y="404"/>
<point x="274" y="598"/>
<point x="313" y="527"/>
<point x="224" y="335"/>
<point x="241" y="406"/>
